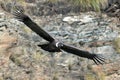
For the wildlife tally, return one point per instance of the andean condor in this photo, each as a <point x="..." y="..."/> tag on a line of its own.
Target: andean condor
<point x="53" y="45"/>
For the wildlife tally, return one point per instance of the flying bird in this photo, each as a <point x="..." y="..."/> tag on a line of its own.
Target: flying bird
<point x="54" y="45"/>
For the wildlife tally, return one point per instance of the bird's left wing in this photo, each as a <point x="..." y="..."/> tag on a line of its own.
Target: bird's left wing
<point x="97" y="58"/>
<point x="21" y="16"/>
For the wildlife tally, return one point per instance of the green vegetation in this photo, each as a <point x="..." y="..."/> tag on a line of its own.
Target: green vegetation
<point x="53" y="1"/>
<point x="15" y="59"/>
<point x="89" y="4"/>
<point x="116" y="44"/>
<point x="26" y="29"/>
<point x="84" y="4"/>
<point x="90" y="76"/>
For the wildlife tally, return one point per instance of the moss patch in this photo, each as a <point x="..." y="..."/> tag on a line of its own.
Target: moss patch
<point x="116" y="44"/>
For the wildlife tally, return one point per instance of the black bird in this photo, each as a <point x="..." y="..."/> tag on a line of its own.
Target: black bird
<point x="53" y="45"/>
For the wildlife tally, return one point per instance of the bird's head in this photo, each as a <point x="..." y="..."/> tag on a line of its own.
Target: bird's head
<point x="59" y="44"/>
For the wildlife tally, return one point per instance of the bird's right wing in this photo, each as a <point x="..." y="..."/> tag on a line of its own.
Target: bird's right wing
<point x="85" y="54"/>
<point x="19" y="14"/>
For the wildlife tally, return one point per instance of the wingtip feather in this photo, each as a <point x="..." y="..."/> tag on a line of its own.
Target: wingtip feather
<point x="98" y="59"/>
<point x="18" y="13"/>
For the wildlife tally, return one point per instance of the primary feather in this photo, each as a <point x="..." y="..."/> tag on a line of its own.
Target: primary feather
<point x="19" y="14"/>
<point x="97" y="58"/>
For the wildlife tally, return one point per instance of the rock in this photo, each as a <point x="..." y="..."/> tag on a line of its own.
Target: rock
<point x="77" y="19"/>
<point x="108" y="71"/>
<point x="86" y="19"/>
<point x="107" y="50"/>
<point x="71" y="19"/>
<point x="30" y="1"/>
<point x="113" y="77"/>
<point x="7" y="42"/>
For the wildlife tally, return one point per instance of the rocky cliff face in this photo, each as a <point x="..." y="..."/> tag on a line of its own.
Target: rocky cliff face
<point x="53" y="7"/>
<point x="22" y="59"/>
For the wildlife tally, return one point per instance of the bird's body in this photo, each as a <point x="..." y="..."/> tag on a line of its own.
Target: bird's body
<point x="54" y="45"/>
<point x="51" y="47"/>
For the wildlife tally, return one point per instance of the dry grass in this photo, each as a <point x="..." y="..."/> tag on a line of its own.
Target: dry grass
<point x="53" y="1"/>
<point x="84" y="4"/>
<point x="87" y="4"/>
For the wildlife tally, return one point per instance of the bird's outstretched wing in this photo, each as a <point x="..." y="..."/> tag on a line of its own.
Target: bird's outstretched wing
<point x="51" y="47"/>
<point x="20" y="15"/>
<point x="97" y="58"/>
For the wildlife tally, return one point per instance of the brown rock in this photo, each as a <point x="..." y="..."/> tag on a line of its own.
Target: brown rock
<point x="7" y="42"/>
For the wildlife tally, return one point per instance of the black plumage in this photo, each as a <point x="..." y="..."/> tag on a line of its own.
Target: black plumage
<point x="19" y="14"/>
<point x="53" y="45"/>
